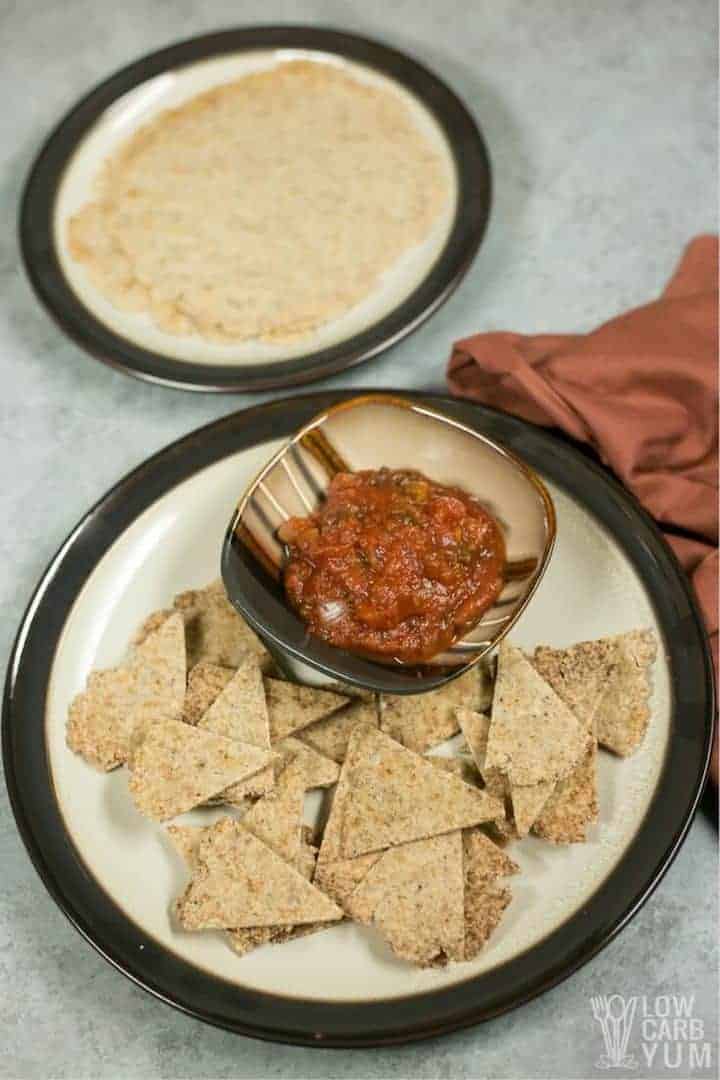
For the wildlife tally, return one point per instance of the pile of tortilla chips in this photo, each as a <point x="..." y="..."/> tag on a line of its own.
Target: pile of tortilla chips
<point x="413" y="844"/>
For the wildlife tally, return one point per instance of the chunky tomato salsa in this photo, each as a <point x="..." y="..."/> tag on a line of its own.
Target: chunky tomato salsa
<point x="393" y="564"/>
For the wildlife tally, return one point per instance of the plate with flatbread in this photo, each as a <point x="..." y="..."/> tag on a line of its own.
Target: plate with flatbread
<point x="254" y="208"/>
<point x="326" y="865"/>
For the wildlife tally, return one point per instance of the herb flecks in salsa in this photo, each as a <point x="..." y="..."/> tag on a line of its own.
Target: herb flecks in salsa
<point x="393" y="564"/>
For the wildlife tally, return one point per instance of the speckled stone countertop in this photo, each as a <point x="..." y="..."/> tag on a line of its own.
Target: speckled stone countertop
<point x="600" y="119"/>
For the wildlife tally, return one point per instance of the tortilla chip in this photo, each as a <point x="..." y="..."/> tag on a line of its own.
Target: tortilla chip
<point x="420" y="721"/>
<point x="330" y="736"/>
<point x="292" y="707"/>
<point x="579" y="681"/>
<point x="276" y="819"/>
<point x="186" y="840"/>
<point x="149" y="625"/>
<point x="177" y="767"/>
<point x="331" y="847"/>
<point x="397" y="796"/>
<point x="572" y="806"/>
<point x="484" y="860"/>
<point x="475" y="727"/>
<point x="623" y="713"/>
<point x="148" y="689"/>
<point x="340" y="879"/>
<point x="414" y="896"/>
<point x="205" y="683"/>
<point x="318" y="771"/>
<point x="240" y="882"/>
<point x="533" y="734"/>
<point x="485" y="904"/>
<point x="253" y="788"/>
<point x="462" y="767"/>
<point x="527" y="803"/>
<point x="214" y="631"/>
<point x="239" y="711"/>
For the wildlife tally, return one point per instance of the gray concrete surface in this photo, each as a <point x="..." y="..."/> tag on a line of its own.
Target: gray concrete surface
<point x="601" y="122"/>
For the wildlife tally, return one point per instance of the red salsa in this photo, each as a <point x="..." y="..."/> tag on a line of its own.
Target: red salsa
<point x="393" y="565"/>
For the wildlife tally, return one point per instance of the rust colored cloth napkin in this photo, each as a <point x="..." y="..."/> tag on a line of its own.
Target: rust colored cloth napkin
<point x="642" y="391"/>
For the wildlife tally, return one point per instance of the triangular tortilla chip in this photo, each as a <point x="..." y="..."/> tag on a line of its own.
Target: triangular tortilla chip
<point x="414" y="896"/>
<point x="317" y="770"/>
<point x="205" y="683"/>
<point x="420" y="721"/>
<point x="330" y="736"/>
<point x="177" y="767"/>
<point x="276" y="819"/>
<point x="533" y="735"/>
<point x="120" y="702"/>
<point x="292" y="707"/>
<point x="239" y="711"/>
<point x="253" y="788"/>
<point x="623" y="712"/>
<point x="186" y="840"/>
<point x="526" y="801"/>
<point x="240" y="882"/>
<point x="397" y="796"/>
<point x="149" y="625"/>
<point x="214" y="630"/>
<point x="485" y="860"/>
<point x="575" y="677"/>
<point x="463" y="767"/>
<point x="339" y="879"/>
<point x="485" y="899"/>
<point x="475" y="727"/>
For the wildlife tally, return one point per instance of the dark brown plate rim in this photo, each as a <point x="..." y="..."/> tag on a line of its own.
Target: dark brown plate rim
<point x="351" y="1024"/>
<point x="42" y="264"/>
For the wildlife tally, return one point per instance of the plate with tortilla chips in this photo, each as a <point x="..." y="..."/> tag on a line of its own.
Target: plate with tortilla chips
<point x="187" y="225"/>
<point x="326" y="866"/>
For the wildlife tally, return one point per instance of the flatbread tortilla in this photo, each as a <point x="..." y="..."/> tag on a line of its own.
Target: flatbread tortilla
<point x="232" y="218"/>
<point x="120" y="702"/>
